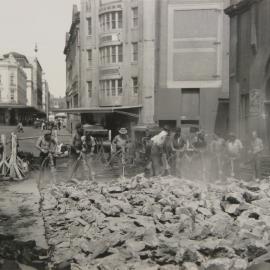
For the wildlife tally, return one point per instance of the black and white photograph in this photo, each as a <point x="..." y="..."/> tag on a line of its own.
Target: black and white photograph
<point x="135" y="135"/>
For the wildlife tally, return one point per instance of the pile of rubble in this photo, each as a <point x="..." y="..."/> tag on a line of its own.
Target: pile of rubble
<point x="15" y="255"/>
<point x="159" y="223"/>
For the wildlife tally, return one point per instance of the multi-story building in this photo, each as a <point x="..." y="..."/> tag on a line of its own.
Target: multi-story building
<point x="45" y="97"/>
<point x="12" y="89"/>
<point x="139" y="62"/>
<point x="37" y="82"/>
<point x="28" y="69"/>
<point x="250" y="68"/>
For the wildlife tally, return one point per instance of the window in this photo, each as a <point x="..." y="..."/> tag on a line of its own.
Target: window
<point x="108" y="21"/>
<point x="108" y="87"/>
<point x="113" y="20"/>
<point x="12" y="81"/>
<point x="89" y="88"/>
<point x="135" y="85"/>
<point x="12" y="91"/>
<point x="113" y="54"/>
<point x="89" y="55"/>
<point x="88" y="6"/>
<point x="113" y="83"/>
<point x="135" y="51"/>
<point x="120" y="87"/>
<point x="135" y="17"/>
<point x="120" y="53"/>
<point x="102" y="22"/>
<point x="89" y="20"/>
<point x="108" y="55"/>
<point x="102" y="86"/>
<point x="120" y="19"/>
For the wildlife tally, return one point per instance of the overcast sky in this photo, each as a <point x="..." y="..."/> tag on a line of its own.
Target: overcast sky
<point x="45" y="22"/>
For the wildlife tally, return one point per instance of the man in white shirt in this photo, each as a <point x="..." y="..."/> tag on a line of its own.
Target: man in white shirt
<point x="234" y="149"/>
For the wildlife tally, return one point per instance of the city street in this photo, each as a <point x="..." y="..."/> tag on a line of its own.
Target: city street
<point x="135" y="135"/>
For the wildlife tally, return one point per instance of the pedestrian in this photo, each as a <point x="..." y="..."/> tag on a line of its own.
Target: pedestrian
<point x="256" y="149"/>
<point x="178" y="146"/>
<point x="59" y="124"/>
<point x="42" y="125"/>
<point x="158" y="153"/>
<point x="20" y="128"/>
<point x="234" y="148"/>
<point x="217" y="148"/>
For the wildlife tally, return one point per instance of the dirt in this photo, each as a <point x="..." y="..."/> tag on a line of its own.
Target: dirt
<point x="19" y="211"/>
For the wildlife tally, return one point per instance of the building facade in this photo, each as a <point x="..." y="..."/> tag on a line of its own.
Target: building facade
<point x="143" y="62"/>
<point x="36" y="82"/>
<point x="12" y="89"/>
<point x="250" y="68"/>
<point x="46" y="97"/>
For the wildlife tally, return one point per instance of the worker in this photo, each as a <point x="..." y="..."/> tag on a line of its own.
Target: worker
<point x="120" y="141"/>
<point x="217" y="148"/>
<point x="76" y="145"/>
<point x="178" y="146"/>
<point x="256" y="149"/>
<point x="158" y="153"/>
<point x="59" y="124"/>
<point x="1" y="150"/>
<point x="234" y="148"/>
<point x="147" y="145"/>
<point x="82" y="150"/>
<point x="46" y="144"/>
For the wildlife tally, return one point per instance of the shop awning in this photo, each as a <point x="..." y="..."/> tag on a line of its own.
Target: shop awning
<point x="118" y="109"/>
<point x="20" y="107"/>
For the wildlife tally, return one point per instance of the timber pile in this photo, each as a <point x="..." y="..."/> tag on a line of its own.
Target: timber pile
<point x="12" y="166"/>
<point x="159" y="223"/>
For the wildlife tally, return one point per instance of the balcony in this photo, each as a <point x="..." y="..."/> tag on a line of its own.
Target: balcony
<point x="105" y="100"/>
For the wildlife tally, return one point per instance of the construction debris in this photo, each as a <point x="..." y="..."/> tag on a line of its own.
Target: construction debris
<point x="16" y="254"/>
<point x="158" y="223"/>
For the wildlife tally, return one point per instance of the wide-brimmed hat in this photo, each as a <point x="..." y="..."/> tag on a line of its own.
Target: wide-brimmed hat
<point x="166" y="128"/>
<point x="123" y="131"/>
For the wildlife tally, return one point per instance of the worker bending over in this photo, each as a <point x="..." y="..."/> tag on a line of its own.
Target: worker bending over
<point x="46" y="145"/>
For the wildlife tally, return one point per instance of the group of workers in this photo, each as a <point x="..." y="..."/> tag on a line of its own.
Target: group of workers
<point x="168" y="152"/>
<point x="197" y="156"/>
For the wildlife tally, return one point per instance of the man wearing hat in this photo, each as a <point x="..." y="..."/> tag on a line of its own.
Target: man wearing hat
<point x="120" y="141"/>
<point x="45" y="144"/>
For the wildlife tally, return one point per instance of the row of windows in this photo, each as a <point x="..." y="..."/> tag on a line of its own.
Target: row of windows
<point x="113" y="87"/>
<point x="112" y="54"/>
<point x="113" y="20"/>
<point x="110" y="21"/>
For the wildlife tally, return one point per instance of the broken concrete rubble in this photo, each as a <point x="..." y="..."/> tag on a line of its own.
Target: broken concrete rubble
<point x="158" y="223"/>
